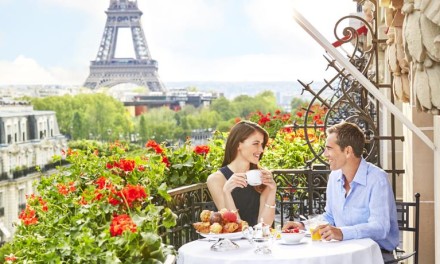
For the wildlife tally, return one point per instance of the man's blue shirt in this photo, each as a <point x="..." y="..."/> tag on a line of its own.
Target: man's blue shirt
<point x="369" y="210"/>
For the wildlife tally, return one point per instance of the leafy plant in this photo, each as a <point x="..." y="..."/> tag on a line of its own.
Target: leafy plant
<point x="97" y="210"/>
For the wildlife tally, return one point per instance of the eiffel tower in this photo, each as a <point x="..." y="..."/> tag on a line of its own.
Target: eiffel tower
<point x="108" y="71"/>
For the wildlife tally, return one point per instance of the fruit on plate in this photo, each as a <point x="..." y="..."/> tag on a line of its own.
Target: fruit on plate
<point x="216" y="217"/>
<point x="230" y="217"/>
<point x="202" y="227"/>
<point x="205" y="215"/>
<point x="216" y="228"/>
<point x="291" y="230"/>
<point x="230" y="227"/>
<point x="223" y="221"/>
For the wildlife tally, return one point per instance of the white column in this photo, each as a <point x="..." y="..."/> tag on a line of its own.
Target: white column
<point x="437" y="188"/>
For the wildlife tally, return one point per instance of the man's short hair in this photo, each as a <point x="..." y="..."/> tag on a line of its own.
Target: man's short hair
<point x="348" y="134"/>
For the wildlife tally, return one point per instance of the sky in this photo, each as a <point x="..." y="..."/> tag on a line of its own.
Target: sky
<point x="53" y="41"/>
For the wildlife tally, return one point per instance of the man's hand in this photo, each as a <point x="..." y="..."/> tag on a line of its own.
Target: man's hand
<point x="329" y="232"/>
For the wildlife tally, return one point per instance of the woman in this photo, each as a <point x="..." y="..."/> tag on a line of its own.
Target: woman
<point x="228" y="186"/>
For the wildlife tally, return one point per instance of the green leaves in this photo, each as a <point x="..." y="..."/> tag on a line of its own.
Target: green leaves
<point x="74" y="213"/>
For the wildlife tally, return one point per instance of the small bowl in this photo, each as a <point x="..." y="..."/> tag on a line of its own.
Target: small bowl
<point x="293" y="237"/>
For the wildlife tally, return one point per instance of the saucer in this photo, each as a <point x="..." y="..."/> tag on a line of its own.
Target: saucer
<point x="282" y="242"/>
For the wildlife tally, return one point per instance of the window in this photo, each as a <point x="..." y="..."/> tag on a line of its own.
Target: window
<point x="2" y="209"/>
<point x="21" y="200"/>
<point x="21" y="197"/>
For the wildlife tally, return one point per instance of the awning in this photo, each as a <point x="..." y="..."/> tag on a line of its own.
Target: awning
<point x="361" y="31"/>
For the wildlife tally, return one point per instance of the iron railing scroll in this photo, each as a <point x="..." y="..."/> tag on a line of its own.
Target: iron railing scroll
<point x="300" y="192"/>
<point x="187" y="203"/>
<point x="344" y="98"/>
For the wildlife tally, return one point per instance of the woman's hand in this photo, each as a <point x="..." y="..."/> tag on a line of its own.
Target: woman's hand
<point x="267" y="179"/>
<point x="291" y="225"/>
<point x="237" y="180"/>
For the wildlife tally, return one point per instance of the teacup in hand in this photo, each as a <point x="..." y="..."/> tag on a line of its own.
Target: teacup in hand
<point x="253" y="177"/>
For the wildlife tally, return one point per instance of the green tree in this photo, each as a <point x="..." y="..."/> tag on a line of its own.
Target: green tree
<point x="143" y="129"/>
<point x="297" y="102"/>
<point x="161" y="124"/>
<point x="77" y="126"/>
<point x="99" y="114"/>
<point x="223" y="107"/>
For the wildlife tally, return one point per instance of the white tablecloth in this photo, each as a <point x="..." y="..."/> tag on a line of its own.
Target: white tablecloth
<point x="358" y="251"/>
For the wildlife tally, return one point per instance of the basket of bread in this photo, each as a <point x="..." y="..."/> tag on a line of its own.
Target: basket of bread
<point x="221" y="222"/>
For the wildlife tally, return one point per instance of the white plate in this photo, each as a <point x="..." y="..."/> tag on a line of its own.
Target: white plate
<point x="232" y="236"/>
<point x="308" y="234"/>
<point x="282" y="242"/>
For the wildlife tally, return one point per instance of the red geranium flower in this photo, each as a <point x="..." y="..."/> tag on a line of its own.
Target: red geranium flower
<point x="121" y="223"/>
<point x="153" y="144"/>
<point x="28" y="216"/>
<point x="10" y="258"/>
<point x="166" y="161"/>
<point x="133" y="193"/>
<point x="201" y="149"/>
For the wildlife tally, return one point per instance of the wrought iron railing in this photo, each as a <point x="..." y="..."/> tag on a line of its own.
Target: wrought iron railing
<point x="344" y="98"/>
<point x="300" y="192"/>
<point x="187" y="203"/>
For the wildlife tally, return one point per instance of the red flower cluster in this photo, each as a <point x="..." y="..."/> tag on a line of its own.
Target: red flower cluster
<point x="28" y="216"/>
<point x="152" y="144"/>
<point x="69" y="152"/>
<point x="201" y="149"/>
<point x="166" y="161"/>
<point x="64" y="189"/>
<point x="123" y="164"/>
<point x="159" y="150"/>
<point x="132" y="194"/>
<point x="35" y="200"/>
<point x="121" y="223"/>
<point x="272" y="123"/>
<point x="10" y="258"/>
<point x="101" y="182"/>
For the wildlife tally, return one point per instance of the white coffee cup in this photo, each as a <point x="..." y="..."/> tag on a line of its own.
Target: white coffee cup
<point x="253" y="177"/>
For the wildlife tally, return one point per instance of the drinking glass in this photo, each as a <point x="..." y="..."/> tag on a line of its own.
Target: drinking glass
<point x="314" y="222"/>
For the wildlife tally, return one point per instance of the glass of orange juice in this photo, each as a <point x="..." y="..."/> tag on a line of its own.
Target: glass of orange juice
<point x="315" y="236"/>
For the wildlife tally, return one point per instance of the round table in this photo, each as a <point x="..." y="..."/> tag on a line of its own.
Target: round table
<point x="359" y="251"/>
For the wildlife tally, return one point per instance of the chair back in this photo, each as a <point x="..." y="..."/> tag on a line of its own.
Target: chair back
<point x="404" y="223"/>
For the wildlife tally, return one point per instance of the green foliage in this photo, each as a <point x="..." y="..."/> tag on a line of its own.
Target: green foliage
<point x="160" y="125"/>
<point x="288" y="150"/>
<point x="187" y="166"/>
<point x="72" y="220"/>
<point x="298" y="102"/>
<point x="88" y="115"/>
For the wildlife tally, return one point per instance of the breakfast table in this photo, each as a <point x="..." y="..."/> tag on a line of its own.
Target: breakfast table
<point x="359" y="251"/>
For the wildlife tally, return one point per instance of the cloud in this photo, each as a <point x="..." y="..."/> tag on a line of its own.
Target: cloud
<point x="290" y="53"/>
<point x="27" y="71"/>
<point x="93" y="7"/>
<point x="275" y="22"/>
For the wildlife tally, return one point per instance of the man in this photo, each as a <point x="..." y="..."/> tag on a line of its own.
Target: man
<point x="360" y="201"/>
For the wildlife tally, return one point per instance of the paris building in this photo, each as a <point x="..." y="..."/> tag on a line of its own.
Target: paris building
<point x="28" y="140"/>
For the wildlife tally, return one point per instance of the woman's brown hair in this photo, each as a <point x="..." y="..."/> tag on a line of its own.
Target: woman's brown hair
<point x="239" y="133"/>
